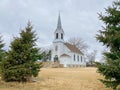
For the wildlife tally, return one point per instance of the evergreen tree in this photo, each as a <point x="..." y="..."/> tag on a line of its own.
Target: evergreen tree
<point x="110" y="37"/>
<point x="21" y="61"/>
<point x="46" y="55"/>
<point x="2" y="52"/>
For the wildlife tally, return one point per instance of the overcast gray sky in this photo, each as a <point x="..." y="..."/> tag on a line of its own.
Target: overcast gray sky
<point x="79" y="19"/>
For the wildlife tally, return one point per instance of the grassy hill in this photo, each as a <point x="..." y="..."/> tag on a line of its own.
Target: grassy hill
<point x="60" y="79"/>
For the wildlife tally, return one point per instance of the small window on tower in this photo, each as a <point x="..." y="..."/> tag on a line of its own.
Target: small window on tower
<point x="61" y="36"/>
<point x="56" y="35"/>
<point x="56" y="48"/>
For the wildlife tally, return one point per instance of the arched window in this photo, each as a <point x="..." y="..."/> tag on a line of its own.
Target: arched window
<point x="78" y="57"/>
<point x="74" y="57"/>
<point x="81" y="58"/>
<point x="56" y="48"/>
<point x="61" y="36"/>
<point x="56" y="35"/>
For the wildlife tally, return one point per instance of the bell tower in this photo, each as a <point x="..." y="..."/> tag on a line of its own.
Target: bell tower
<point x="59" y="33"/>
<point x="58" y="42"/>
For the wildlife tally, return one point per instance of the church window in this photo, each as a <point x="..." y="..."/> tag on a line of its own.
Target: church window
<point x="56" y="48"/>
<point x="78" y="57"/>
<point x="61" y="36"/>
<point x="81" y="58"/>
<point x="56" y="35"/>
<point x="74" y="57"/>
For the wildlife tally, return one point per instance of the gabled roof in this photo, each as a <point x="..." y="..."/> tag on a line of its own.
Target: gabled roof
<point x="64" y="55"/>
<point x="73" y="48"/>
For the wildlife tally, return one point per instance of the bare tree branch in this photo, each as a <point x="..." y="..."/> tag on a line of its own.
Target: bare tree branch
<point x="79" y="43"/>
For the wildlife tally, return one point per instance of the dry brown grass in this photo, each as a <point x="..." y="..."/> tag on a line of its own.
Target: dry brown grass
<point x="61" y="79"/>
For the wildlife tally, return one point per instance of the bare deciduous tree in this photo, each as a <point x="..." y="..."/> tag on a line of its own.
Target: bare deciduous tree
<point x="79" y="43"/>
<point x="91" y="57"/>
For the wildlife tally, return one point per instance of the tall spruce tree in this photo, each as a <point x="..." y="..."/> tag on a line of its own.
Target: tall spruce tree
<point x="2" y="52"/>
<point x="110" y="37"/>
<point x="20" y="63"/>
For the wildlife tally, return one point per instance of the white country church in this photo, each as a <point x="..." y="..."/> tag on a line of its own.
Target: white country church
<point x="68" y="55"/>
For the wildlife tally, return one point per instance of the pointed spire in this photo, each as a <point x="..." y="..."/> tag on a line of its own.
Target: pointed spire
<point x="59" y="26"/>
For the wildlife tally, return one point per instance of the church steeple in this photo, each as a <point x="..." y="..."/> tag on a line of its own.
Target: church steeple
<point x="59" y="33"/>
<point x="59" y="26"/>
